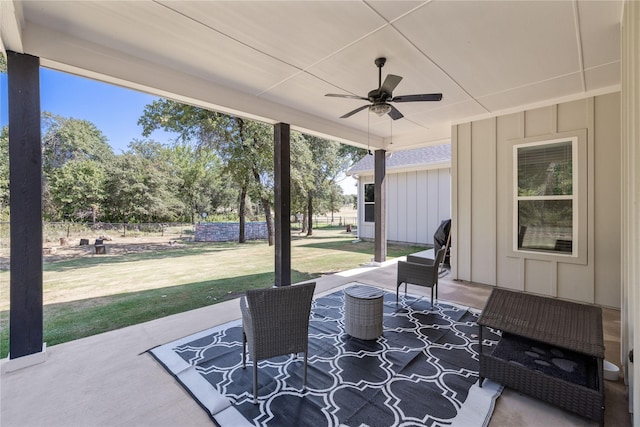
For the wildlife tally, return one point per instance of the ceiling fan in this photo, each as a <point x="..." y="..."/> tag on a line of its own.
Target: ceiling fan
<point x="383" y="95"/>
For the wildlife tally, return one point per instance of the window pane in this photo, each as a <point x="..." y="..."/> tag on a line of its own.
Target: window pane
<point x="545" y="225"/>
<point x="369" y="210"/>
<point x="369" y="193"/>
<point x="545" y="170"/>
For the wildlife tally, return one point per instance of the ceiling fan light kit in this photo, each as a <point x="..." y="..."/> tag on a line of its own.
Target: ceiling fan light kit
<point x="380" y="109"/>
<point x="380" y="97"/>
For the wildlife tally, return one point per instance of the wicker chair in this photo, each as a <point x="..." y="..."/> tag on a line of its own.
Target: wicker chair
<point x="275" y="322"/>
<point x="421" y="272"/>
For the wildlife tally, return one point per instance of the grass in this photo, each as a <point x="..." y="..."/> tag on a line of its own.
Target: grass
<point x="93" y="294"/>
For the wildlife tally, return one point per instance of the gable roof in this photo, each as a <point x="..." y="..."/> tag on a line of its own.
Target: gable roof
<point x="433" y="156"/>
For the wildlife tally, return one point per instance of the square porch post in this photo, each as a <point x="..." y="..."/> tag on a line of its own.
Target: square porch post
<point x="380" y="206"/>
<point x="25" y="189"/>
<point x="282" y="194"/>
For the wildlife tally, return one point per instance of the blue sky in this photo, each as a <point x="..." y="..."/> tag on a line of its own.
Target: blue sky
<point x="112" y="109"/>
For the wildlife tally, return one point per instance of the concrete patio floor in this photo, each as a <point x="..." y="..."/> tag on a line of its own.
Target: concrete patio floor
<point x="110" y="380"/>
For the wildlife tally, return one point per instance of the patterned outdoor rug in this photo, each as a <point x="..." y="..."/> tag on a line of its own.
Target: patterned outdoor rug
<point x="423" y="371"/>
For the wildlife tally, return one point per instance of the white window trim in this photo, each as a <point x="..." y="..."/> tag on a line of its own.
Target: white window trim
<point x="582" y="205"/>
<point x="365" y="203"/>
<point x="573" y="197"/>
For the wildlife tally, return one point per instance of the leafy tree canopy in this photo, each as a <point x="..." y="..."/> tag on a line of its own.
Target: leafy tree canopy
<point x="77" y="189"/>
<point x="67" y="139"/>
<point x="244" y="146"/>
<point x="4" y="173"/>
<point x="139" y="191"/>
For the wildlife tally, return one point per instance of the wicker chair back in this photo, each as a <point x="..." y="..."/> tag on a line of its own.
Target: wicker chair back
<point x="275" y="322"/>
<point x="425" y="273"/>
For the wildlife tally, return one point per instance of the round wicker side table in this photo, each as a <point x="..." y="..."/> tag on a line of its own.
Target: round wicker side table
<point x="363" y="312"/>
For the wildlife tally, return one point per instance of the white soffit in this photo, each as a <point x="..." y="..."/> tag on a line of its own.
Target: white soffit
<point x="157" y="34"/>
<point x="11" y="23"/>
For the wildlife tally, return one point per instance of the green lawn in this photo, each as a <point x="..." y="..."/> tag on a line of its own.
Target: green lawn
<point x="93" y="294"/>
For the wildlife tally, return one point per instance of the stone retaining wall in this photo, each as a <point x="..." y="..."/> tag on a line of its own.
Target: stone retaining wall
<point x="229" y="231"/>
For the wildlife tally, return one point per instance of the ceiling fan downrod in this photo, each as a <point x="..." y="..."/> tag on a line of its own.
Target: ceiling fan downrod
<point x="380" y="63"/>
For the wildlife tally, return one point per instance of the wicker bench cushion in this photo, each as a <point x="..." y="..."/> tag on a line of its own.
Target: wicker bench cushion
<point x="567" y="365"/>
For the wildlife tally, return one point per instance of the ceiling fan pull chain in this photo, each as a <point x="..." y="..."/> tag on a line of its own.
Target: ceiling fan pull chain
<point x="368" y="125"/>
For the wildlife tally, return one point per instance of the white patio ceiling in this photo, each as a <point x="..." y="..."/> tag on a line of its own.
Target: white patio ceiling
<point x="275" y="61"/>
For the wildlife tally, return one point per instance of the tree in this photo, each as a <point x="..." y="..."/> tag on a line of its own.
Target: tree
<point x="4" y="158"/>
<point x="245" y="148"/>
<point x="139" y="190"/>
<point x="351" y="155"/>
<point x="198" y="171"/>
<point x="66" y="139"/>
<point x="302" y="178"/>
<point x="4" y="173"/>
<point x="77" y="189"/>
<point x="248" y="149"/>
<point x="326" y="164"/>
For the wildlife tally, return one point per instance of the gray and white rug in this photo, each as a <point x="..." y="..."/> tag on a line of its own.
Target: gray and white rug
<point x="423" y="371"/>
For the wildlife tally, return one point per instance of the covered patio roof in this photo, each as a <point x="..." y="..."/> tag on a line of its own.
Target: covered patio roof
<point x="275" y="61"/>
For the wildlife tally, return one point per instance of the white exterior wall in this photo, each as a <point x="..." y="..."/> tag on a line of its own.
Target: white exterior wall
<point x="482" y="194"/>
<point x="417" y="201"/>
<point x="630" y="313"/>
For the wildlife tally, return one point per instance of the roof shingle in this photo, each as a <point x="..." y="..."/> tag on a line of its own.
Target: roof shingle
<point x="423" y="156"/>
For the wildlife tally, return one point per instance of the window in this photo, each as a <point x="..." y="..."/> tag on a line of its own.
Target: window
<point x="369" y="202"/>
<point x="545" y="210"/>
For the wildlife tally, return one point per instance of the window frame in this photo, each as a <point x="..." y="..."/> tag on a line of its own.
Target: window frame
<point x="366" y="203"/>
<point x="584" y="204"/>
<point x="573" y="197"/>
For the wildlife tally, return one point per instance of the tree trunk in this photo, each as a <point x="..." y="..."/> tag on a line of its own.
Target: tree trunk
<point x="267" y="216"/>
<point x="241" y="214"/>
<point x="310" y="216"/>
<point x="266" y="206"/>
<point x="331" y="207"/>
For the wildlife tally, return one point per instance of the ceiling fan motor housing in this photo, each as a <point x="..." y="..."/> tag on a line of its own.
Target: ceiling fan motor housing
<point x="378" y="95"/>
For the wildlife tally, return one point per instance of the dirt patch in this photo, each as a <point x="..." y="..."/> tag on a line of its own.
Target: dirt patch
<point x="114" y="247"/>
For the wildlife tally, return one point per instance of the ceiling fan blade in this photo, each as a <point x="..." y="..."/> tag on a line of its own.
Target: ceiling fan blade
<point x="415" y="98"/>
<point x="339" y="95"/>
<point x="390" y="83"/>
<point x="394" y="113"/>
<point x="357" y="110"/>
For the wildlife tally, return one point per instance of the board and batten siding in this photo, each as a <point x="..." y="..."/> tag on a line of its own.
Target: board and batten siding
<point x="416" y="203"/>
<point x="482" y="194"/>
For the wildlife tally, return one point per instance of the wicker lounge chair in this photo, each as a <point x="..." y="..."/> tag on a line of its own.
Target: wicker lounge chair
<point x="421" y="272"/>
<point x="275" y="322"/>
